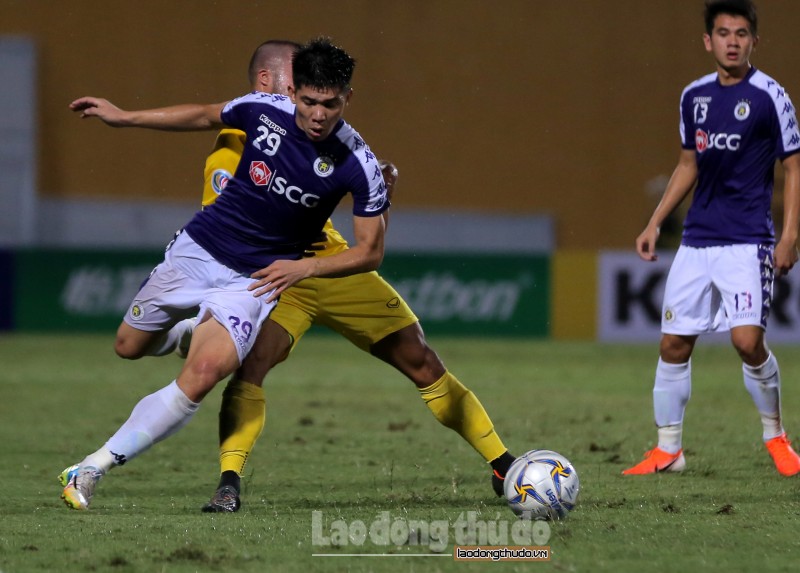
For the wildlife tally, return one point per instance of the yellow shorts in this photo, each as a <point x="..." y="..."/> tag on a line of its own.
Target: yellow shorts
<point x="363" y="308"/>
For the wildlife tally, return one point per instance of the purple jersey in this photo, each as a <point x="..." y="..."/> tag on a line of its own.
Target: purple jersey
<point x="737" y="132"/>
<point x="285" y="186"/>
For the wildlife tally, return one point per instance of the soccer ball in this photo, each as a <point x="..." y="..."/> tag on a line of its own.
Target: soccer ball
<point x="541" y="484"/>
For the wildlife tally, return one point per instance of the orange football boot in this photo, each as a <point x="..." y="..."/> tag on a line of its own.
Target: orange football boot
<point x="657" y="460"/>
<point x="786" y="459"/>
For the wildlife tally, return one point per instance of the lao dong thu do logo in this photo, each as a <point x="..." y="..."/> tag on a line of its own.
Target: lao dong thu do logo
<point x="471" y="528"/>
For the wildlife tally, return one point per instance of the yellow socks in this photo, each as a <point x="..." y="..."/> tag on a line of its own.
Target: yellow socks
<point x="459" y="409"/>
<point x="243" y="412"/>
<point x="241" y="419"/>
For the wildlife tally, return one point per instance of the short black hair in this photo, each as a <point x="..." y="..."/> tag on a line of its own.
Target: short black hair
<point x="268" y="55"/>
<point x="744" y="8"/>
<point x="321" y="64"/>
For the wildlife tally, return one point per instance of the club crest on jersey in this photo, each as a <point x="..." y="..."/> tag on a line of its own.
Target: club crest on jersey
<point x="260" y="173"/>
<point x="669" y="315"/>
<point x="219" y="179"/>
<point x="323" y="166"/>
<point x="137" y="312"/>
<point x="742" y="110"/>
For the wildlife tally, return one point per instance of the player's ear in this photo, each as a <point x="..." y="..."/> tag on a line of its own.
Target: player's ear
<point x="292" y="94"/>
<point x="348" y="97"/>
<point x="707" y="42"/>
<point x="264" y="81"/>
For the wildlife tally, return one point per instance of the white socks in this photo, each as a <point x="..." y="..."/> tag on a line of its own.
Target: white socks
<point x="764" y="384"/>
<point x="670" y="437"/>
<point x="673" y="387"/>
<point x="671" y="392"/>
<point x="153" y="419"/>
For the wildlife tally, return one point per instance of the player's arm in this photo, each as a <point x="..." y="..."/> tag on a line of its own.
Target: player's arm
<point x="366" y="255"/>
<point x="786" y="249"/>
<point x="389" y="172"/>
<point x="186" y="117"/>
<point x="679" y="186"/>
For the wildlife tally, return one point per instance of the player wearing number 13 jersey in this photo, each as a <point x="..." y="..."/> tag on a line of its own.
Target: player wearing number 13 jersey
<point x="735" y="124"/>
<point x="736" y="132"/>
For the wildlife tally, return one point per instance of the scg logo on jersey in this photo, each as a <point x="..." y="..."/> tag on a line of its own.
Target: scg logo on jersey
<point x="722" y="141"/>
<point x="294" y="194"/>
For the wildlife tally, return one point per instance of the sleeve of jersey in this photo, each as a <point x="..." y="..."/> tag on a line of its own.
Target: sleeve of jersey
<point x="235" y="111"/>
<point x="686" y="124"/>
<point x="369" y="189"/>
<point x="789" y="143"/>
<point x="366" y="183"/>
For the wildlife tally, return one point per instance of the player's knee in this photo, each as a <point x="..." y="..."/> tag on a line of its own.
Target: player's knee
<point x="261" y="360"/>
<point x="201" y="375"/>
<point x="127" y="348"/>
<point x="412" y="356"/>
<point x="254" y="370"/>
<point x="749" y="343"/>
<point x="751" y="351"/>
<point x="432" y="368"/>
<point x="208" y="369"/>
<point x="676" y="349"/>
<point x="271" y="347"/>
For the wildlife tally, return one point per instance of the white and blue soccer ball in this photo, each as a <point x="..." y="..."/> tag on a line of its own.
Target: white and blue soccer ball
<point x="541" y="484"/>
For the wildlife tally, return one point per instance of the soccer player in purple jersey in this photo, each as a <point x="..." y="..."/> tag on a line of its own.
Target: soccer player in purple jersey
<point x="363" y="308"/>
<point x="735" y="123"/>
<point x="234" y="258"/>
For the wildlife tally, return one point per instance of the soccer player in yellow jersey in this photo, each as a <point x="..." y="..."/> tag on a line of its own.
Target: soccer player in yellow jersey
<point x="363" y="308"/>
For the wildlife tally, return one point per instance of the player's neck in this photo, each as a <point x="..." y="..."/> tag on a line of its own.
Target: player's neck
<point x="732" y="76"/>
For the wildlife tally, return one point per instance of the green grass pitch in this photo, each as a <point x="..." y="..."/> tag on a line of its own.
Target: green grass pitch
<point x="349" y="438"/>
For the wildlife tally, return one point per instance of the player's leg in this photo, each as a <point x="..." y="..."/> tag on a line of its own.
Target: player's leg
<point x="161" y="317"/>
<point x="235" y="315"/>
<point x="154" y="418"/>
<point x="372" y="315"/>
<point x="691" y="305"/>
<point x="762" y="379"/>
<point x="132" y="343"/>
<point x="671" y="392"/>
<point x="746" y="283"/>
<point x="243" y="410"/>
<point x="161" y="414"/>
<point x="242" y="414"/>
<point x="451" y="403"/>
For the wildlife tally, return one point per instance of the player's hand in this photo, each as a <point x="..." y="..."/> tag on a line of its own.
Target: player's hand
<point x="318" y="245"/>
<point x="786" y="257"/>
<point x="279" y="276"/>
<point x="646" y="243"/>
<point x="98" y="107"/>
<point x="389" y="172"/>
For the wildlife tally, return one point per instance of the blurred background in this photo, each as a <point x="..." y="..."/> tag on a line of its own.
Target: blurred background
<point x="533" y="140"/>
